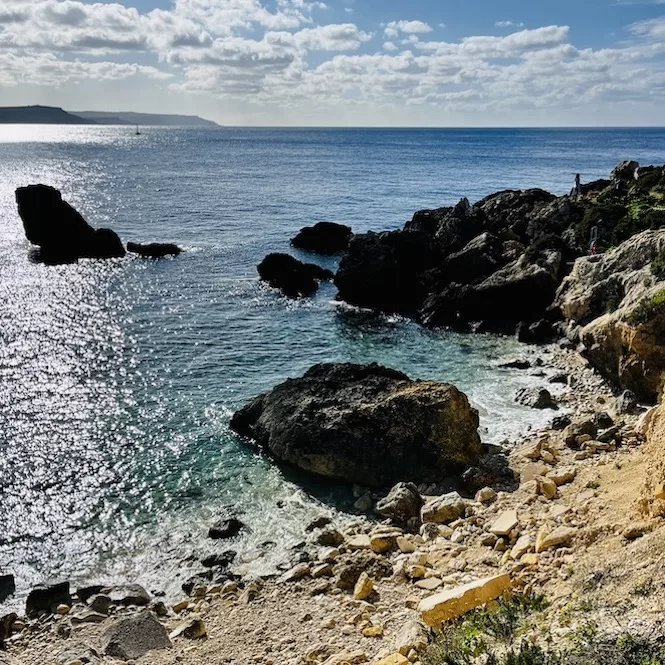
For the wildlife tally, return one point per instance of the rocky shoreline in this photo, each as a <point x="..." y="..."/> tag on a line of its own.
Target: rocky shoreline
<point x="568" y="513"/>
<point x="355" y="590"/>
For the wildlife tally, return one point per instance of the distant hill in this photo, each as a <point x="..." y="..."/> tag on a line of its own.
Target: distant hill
<point x="128" y="118"/>
<point x="40" y="115"/>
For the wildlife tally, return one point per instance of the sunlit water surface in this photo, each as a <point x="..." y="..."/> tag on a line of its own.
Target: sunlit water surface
<point x="117" y="378"/>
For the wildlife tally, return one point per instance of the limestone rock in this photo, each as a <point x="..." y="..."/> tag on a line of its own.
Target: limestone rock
<point x="393" y="659"/>
<point x="402" y="504"/>
<point x="561" y="535"/>
<point x="505" y="523"/>
<point x="562" y="475"/>
<point x="344" y="657"/>
<point x="546" y="487"/>
<point x="532" y="470"/>
<point x="363" y="588"/>
<point x="192" y="629"/>
<point x="444" y="509"/>
<point x="455" y="602"/>
<point x="412" y="636"/>
<point x="134" y="637"/>
<point x="364" y="424"/>
<point x="485" y="495"/>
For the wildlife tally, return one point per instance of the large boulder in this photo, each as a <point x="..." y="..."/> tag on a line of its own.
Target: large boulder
<point x="364" y="424"/>
<point x="59" y="230"/>
<point x="46" y="597"/>
<point x="7" y="586"/>
<point x="384" y="270"/>
<point x="615" y="306"/>
<point x="135" y="636"/>
<point x="625" y="171"/>
<point x="323" y="238"/>
<point x="292" y="277"/>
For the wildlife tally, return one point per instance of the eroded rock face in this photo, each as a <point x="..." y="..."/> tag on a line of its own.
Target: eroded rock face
<point x="59" y="230"/>
<point x="323" y="238"/>
<point x="292" y="277"/>
<point x="616" y="307"/>
<point x="364" y="424"/>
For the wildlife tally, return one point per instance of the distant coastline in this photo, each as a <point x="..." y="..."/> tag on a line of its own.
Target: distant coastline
<point x="56" y="116"/>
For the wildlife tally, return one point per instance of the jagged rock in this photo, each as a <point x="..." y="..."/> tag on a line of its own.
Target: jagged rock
<point x="85" y="593"/>
<point x="135" y="636"/>
<point x="547" y="539"/>
<point x="46" y="597"/>
<point x="536" y="398"/>
<point x="154" y="250"/>
<point x="401" y="505"/>
<point x="626" y="403"/>
<point x="490" y="470"/>
<point x="444" y="509"/>
<point x="59" y="230"/>
<point x="363" y="588"/>
<point x="625" y="171"/>
<point x="349" y="567"/>
<point x="364" y="424"/>
<point x="219" y="560"/>
<point x="100" y="603"/>
<point x="7" y="587"/>
<point x="323" y="238"/>
<point x="292" y="277"/>
<point x="574" y="431"/>
<point x="384" y="271"/>
<point x="617" y="307"/>
<point x="128" y="594"/>
<point x="227" y="527"/>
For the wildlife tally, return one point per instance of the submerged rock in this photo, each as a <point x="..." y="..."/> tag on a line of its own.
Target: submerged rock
<point x="154" y="250"/>
<point x="59" y="230"/>
<point x="323" y="238"/>
<point x="226" y="527"/>
<point x="292" y="277"/>
<point x="364" y="424"/>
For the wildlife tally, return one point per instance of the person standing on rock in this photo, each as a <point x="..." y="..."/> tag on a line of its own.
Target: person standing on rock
<point x="593" y="240"/>
<point x="578" y="185"/>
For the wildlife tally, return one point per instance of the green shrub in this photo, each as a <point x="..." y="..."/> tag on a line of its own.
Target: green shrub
<point x="658" y="266"/>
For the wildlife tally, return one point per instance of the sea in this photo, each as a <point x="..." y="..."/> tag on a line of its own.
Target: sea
<point x="118" y="378"/>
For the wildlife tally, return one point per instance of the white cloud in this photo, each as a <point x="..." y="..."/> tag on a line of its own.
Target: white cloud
<point x="652" y="28"/>
<point x="394" y="28"/>
<point x="510" y="24"/>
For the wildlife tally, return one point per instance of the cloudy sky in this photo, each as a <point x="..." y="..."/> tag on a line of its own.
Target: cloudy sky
<point x="342" y="62"/>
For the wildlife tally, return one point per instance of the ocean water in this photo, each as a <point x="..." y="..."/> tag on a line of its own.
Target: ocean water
<point x="117" y="378"/>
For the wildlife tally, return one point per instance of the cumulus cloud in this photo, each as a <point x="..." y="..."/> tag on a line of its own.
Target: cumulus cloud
<point x="653" y="28"/>
<point x="509" y="24"/>
<point x="394" y="28"/>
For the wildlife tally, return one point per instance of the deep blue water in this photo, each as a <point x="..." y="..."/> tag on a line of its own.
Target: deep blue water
<point x="117" y="378"/>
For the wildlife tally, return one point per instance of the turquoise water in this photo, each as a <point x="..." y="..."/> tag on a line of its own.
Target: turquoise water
<point x="117" y="378"/>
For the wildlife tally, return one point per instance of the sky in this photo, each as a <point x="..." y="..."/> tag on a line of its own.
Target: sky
<point x="450" y="63"/>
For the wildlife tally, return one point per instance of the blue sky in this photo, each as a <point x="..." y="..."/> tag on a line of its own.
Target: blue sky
<point x="342" y="62"/>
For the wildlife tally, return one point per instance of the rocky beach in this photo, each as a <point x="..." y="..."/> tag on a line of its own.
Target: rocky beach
<point x="564" y="524"/>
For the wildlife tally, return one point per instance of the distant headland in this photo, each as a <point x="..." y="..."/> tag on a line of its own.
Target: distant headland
<point x="56" y="116"/>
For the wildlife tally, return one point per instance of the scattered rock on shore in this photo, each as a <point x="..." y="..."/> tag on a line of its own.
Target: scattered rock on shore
<point x="365" y="424"/>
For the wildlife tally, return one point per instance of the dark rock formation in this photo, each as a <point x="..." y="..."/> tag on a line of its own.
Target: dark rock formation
<point x="364" y="424"/>
<point x="154" y="250"/>
<point x="59" y="230"/>
<point x="536" y="398"/>
<point x="46" y="597"/>
<point x="323" y="238"/>
<point x="385" y="271"/>
<point x="133" y="637"/>
<point x="226" y="527"/>
<point x="7" y="587"/>
<point x="292" y="277"/>
<point x="402" y="504"/>
<point x="128" y="594"/>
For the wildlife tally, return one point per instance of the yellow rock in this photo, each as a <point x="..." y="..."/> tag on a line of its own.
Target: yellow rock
<point x="546" y="486"/>
<point x="505" y="523"/>
<point x="180" y="607"/>
<point x="383" y="541"/>
<point x="546" y="539"/>
<point x="373" y="631"/>
<point x="521" y="547"/>
<point x="405" y="545"/>
<point x="351" y="657"/>
<point x="63" y="609"/>
<point x="393" y="659"/>
<point x="455" y="602"/>
<point x="361" y="542"/>
<point x="530" y="559"/>
<point x="364" y="587"/>
<point x="660" y="491"/>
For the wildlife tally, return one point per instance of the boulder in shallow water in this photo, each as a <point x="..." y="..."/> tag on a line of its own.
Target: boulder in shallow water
<point x="292" y="277"/>
<point x="536" y="398"/>
<point x="323" y="238"/>
<point x="134" y="637"/>
<point x="154" y="250"/>
<point x="227" y="527"/>
<point x="59" y="230"/>
<point x="7" y="587"/>
<point x="364" y="424"/>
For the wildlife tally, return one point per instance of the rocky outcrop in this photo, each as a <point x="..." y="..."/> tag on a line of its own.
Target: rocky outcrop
<point x="365" y="424"/>
<point x="292" y="277"/>
<point x="614" y="306"/>
<point x="323" y="238"/>
<point x="59" y="230"/>
<point x="154" y="250"/>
